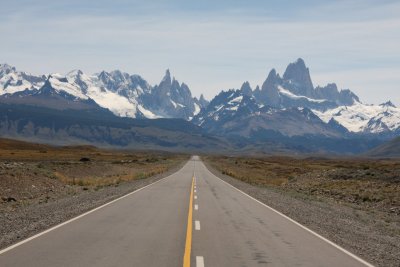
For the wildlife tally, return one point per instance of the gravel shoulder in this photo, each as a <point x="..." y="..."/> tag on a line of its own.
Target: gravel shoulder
<point x="26" y="221"/>
<point x="362" y="232"/>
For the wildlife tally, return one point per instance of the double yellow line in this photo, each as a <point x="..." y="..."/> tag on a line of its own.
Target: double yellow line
<point x="188" y="245"/>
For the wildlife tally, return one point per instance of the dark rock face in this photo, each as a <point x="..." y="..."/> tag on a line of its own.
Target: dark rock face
<point x="246" y="89"/>
<point x="298" y="80"/>
<point x="328" y="92"/>
<point x="171" y="99"/>
<point x="269" y="93"/>
<point x="341" y="98"/>
<point x="203" y="103"/>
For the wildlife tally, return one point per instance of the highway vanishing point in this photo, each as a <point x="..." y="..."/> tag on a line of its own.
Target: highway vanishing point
<point x="190" y="218"/>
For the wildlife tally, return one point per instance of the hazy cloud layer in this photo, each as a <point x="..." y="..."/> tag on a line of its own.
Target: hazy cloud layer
<point x="210" y="46"/>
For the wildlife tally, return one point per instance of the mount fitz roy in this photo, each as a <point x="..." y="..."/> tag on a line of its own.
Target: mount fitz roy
<point x="286" y="113"/>
<point x="292" y="106"/>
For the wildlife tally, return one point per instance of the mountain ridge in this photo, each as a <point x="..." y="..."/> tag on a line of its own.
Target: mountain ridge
<point x="283" y="110"/>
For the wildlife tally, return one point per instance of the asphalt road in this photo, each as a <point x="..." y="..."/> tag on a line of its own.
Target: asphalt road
<point x="149" y="227"/>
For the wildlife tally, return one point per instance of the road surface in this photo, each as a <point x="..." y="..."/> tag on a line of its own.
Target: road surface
<point x="189" y="218"/>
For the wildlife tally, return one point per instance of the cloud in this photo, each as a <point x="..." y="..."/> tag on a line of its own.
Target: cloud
<point x="209" y="48"/>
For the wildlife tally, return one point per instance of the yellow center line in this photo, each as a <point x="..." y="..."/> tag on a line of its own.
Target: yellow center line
<point x="188" y="245"/>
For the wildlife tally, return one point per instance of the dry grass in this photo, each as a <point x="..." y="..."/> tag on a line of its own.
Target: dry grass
<point x="116" y="178"/>
<point x="273" y="171"/>
<point x="36" y="173"/>
<point x="369" y="184"/>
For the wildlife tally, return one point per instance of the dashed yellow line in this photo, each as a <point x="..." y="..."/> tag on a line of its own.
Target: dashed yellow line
<point x="188" y="245"/>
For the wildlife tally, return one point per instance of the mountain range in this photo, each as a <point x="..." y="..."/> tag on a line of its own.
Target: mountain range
<point x="123" y="94"/>
<point x="286" y="112"/>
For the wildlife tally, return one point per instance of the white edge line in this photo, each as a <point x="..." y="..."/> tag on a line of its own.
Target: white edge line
<point x="199" y="261"/>
<point x="80" y="216"/>
<point x="302" y="226"/>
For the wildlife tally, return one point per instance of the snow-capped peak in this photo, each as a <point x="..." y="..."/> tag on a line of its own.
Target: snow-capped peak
<point x="61" y="83"/>
<point x="167" y="77"/>
<point x="12" y="81"/>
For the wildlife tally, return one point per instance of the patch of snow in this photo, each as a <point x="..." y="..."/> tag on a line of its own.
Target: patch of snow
<point x="176" y="104"/>
<point x="173" y="103"/>
<point x="234" y="108"/>
<point x="219" y="108"/>
<point x="138" y="91"/>
<point x="236" y="100"/>
<point x="147" y="113"/>
<point x="201" y="120"/>
<point x="293" y="96"/>
<point x="196" y="109"/>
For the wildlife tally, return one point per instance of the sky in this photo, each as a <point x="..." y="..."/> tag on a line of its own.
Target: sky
<point x="211" y="45"/>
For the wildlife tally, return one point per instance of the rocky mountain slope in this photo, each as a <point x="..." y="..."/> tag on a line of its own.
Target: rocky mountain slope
<point x="390" y="149"/>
